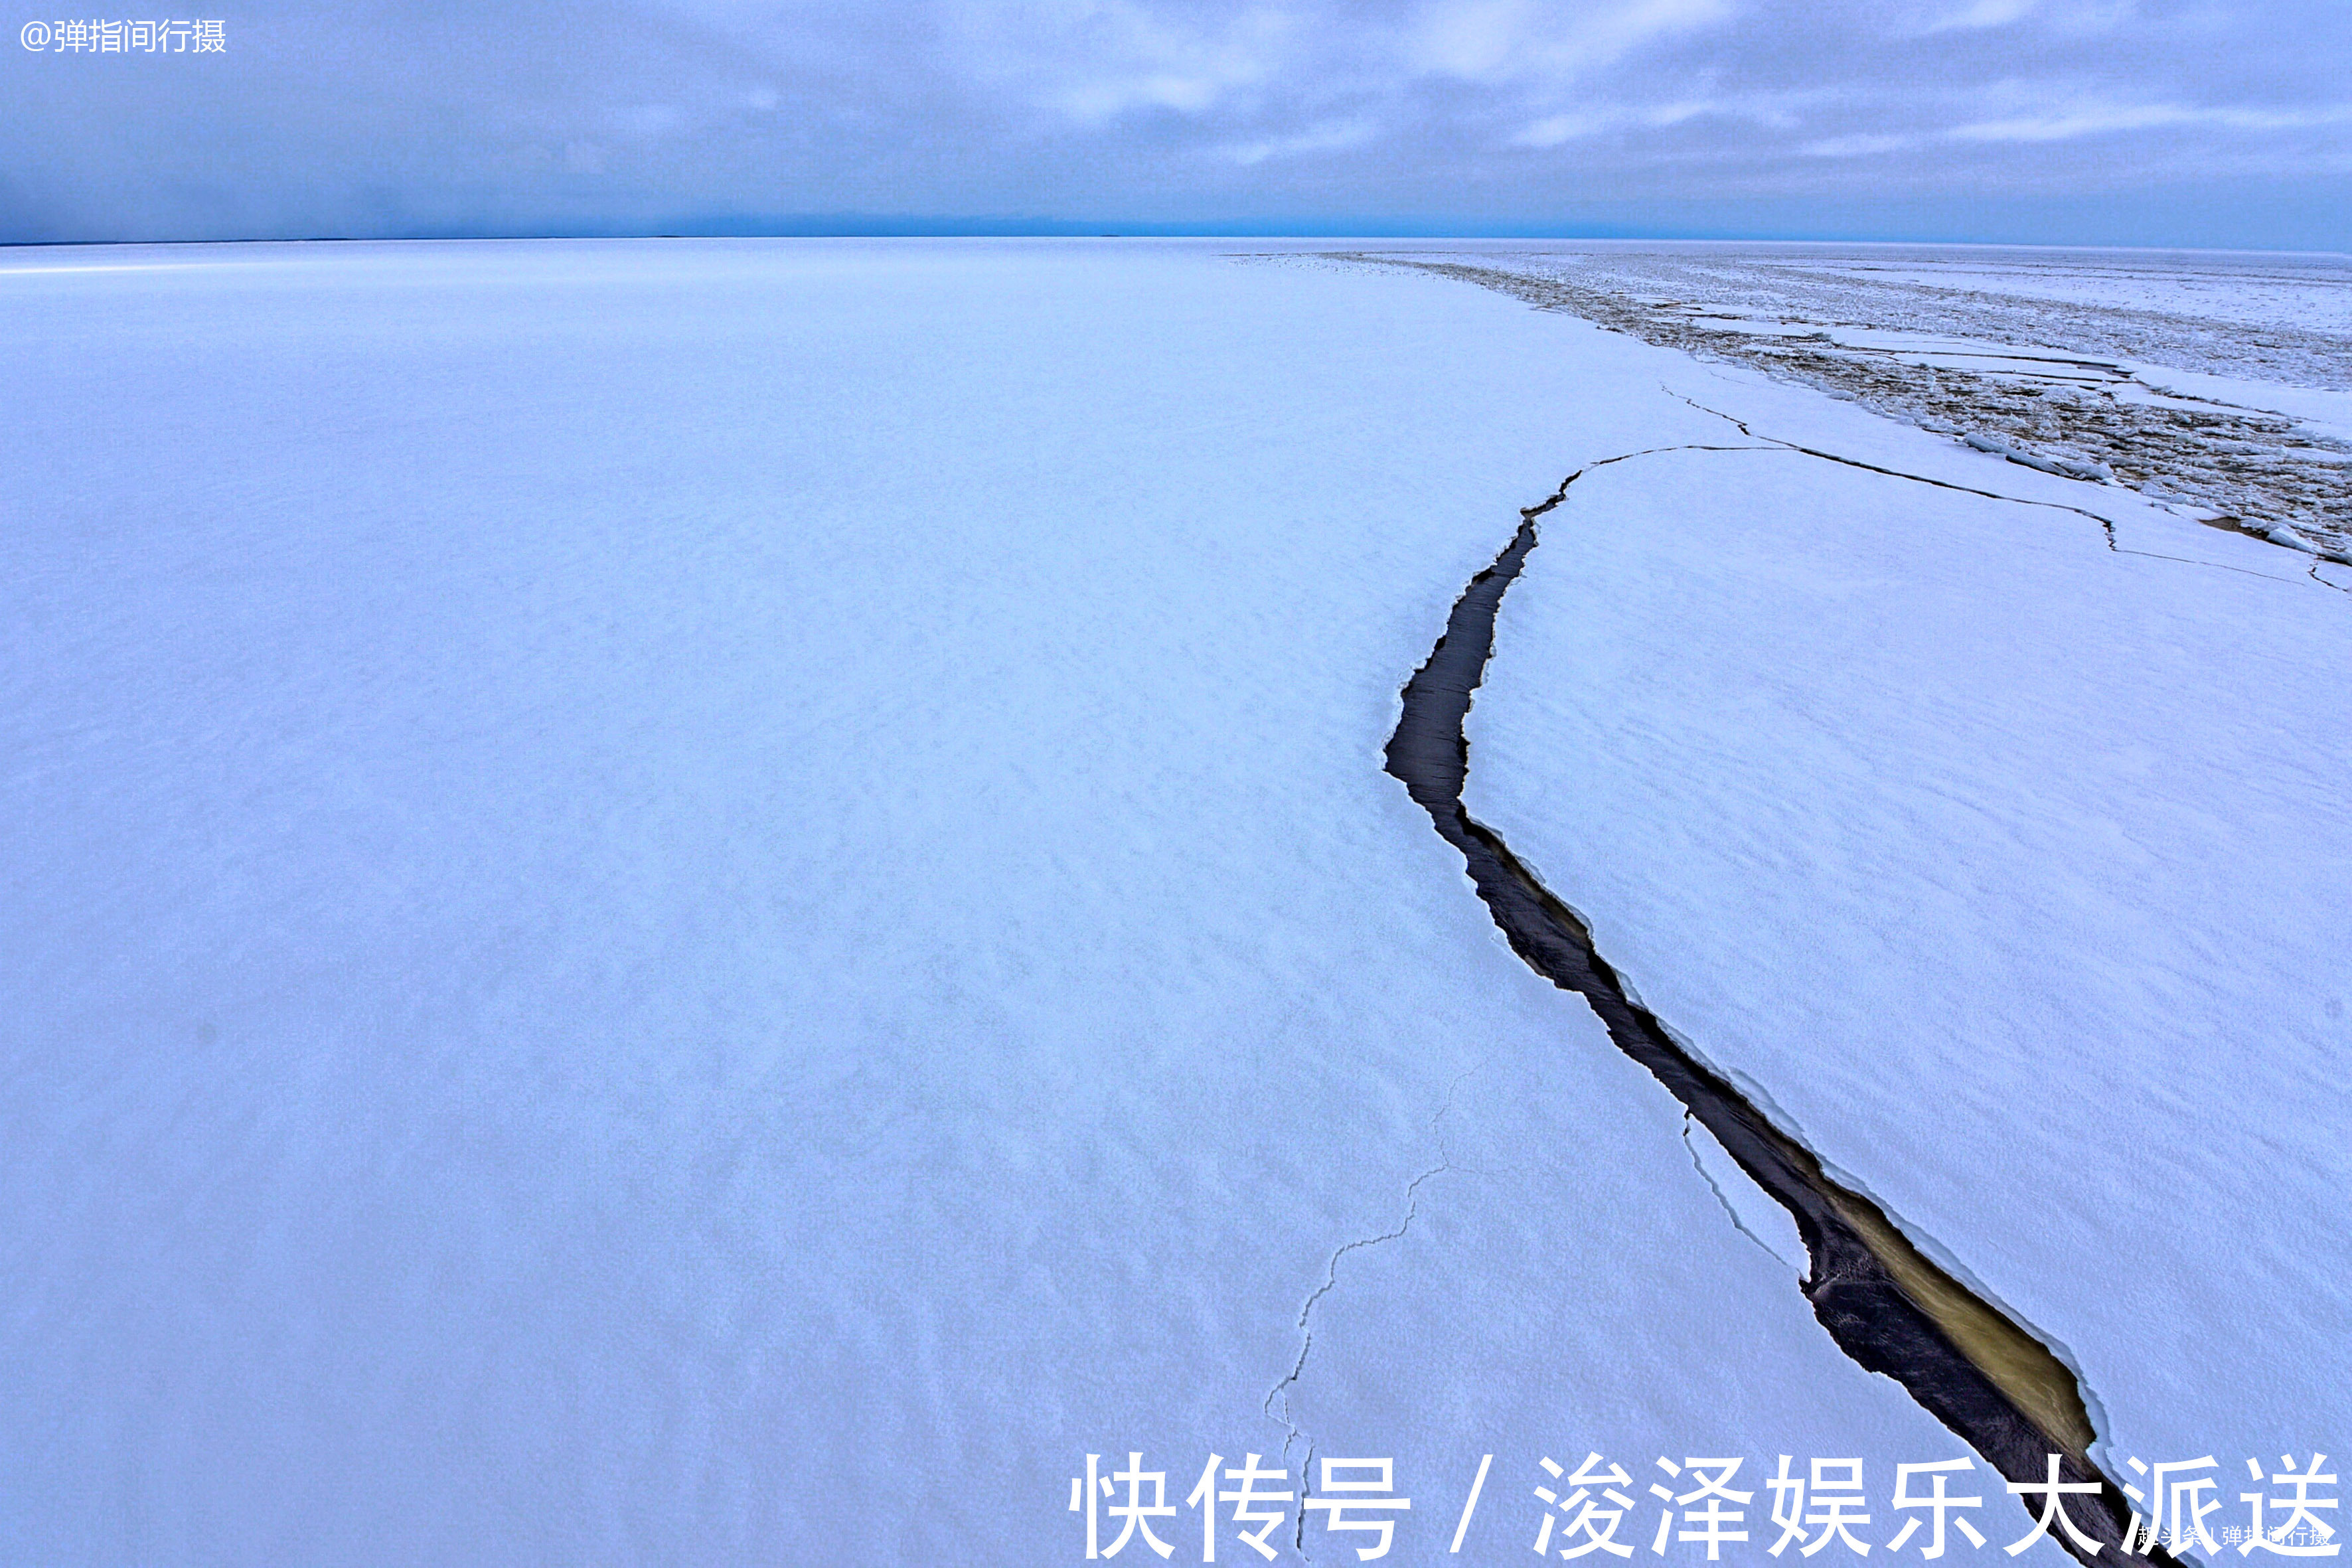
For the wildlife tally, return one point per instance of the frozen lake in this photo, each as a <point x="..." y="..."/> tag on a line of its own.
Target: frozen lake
<point x="699" y="902"/>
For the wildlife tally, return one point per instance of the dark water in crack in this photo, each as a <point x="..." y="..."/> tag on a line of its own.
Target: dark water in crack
<point x="1886" y="1304"/>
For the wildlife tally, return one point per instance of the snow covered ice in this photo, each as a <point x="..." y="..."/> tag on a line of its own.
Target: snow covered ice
<point x="2216" y="379"/>
<point x="1947" y="801"/>
<point x="727" y="900"/>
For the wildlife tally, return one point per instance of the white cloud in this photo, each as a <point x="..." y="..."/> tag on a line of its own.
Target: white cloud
<point x="1518" y="40"/>
<point x="2078" y="117"/>
<point x="1469" y="38"/>
<point x="1865" y="144"/>
<point x="1331" y="138"/>
<point x="2068" y="16"/>
<point x="1556" y="129"/>
<point x="1092" y="61"/>
<point x="2105" y="118"/>
<point x="1982" y="13"/>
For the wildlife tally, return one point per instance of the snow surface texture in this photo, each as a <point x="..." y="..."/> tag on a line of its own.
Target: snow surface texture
<point x="2005" y="863"/>
<point x="725" y="903"/>
<point x="2223" y="382"/>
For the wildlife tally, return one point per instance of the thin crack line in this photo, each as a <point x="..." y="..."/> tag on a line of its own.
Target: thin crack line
<point x="1331" y="1273"/>
<point x="1722" y="1197"/>
<point x="1766" y="445"/>
<point x="1298" y="1530"/>
<point x="1330" y="1282"/>
<point x="1437" y="1122"/>
<point x="2106" y="525"/>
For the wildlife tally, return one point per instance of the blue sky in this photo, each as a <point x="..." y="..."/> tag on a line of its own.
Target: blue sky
<point x="2131" y="121"/>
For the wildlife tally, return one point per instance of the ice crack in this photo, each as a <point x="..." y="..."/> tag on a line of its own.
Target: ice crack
<point x="1889" y="1306"/>
<point x="1331" y="1269"/>
<point x="2106" y="525"/>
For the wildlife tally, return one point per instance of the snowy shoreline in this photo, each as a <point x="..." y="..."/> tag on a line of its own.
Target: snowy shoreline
<point x="2192" y="412"/>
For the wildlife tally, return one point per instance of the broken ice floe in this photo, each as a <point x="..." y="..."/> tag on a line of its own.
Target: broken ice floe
<point x="2066" y="467"/>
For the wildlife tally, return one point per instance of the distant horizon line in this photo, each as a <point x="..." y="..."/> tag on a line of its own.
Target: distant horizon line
<point x="859" y="227"/>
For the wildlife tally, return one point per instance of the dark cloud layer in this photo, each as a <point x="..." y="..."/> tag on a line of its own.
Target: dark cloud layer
<point x="2193" y="122"/>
